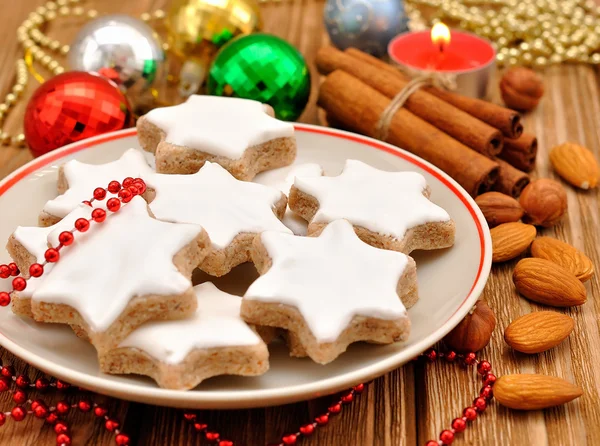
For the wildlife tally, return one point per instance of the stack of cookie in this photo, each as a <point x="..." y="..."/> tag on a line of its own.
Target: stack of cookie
<point x="333" y="265"/>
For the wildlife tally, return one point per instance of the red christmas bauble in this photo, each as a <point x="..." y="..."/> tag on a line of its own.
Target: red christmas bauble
<point x="71" y="107"/>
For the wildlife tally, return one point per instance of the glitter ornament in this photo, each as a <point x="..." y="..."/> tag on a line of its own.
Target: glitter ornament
<point x="71" y="107"/>
<point x="265" y="68"/>
<point x="368" y="25"/>
<point x="123" y="49"/>
<point x="198" y="28"/>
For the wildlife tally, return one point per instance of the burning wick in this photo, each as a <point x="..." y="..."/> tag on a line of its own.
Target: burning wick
<point x="440" y="36"/>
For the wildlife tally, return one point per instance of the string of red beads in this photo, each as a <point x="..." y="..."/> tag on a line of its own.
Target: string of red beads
<point x="51" y="414"/>
<point x="480" y="403"/>
<point x="125" y="191"/>
<point x="447" y="436"/>
<point x="288" y="439"/>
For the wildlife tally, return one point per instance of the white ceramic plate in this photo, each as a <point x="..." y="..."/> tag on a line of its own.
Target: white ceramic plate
<point x="449" y="283"/>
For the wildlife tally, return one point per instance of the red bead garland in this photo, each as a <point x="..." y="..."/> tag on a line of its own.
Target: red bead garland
<point x="41" y="410"/>
<point x="480" y="403"/>
<point x="66" y="238"/>
<point x="288" y="439"/>
<point x="447" y="436"/>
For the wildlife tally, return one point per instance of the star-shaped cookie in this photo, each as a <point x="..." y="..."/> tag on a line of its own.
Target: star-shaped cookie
<point x="330" y="291"/>
<point x="180" y="354"/>
<point x="231" y="211"/>
<point x="273" y="178"/>
<point x="121" y="273"/>
<point x="239" y="134"/>
<point x="28" y="244"/>
<point x="77" y="181"/>
<point x="389" y="210"/>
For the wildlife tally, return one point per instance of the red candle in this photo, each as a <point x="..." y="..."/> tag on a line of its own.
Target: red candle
<point x="468" y="59"/>
<point x="464" y="51"/>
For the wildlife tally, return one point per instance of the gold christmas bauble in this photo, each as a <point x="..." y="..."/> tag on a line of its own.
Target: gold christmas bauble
<point x="198" y="28"/>
<point x="192" y="24"/>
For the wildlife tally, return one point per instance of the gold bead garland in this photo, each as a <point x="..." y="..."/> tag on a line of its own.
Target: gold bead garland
<point x="524" y="32"/>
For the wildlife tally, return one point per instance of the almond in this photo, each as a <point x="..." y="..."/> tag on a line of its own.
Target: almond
<point x="538" y="332"/>
<point x="545" y="282"/>
<point x="498" y="208"/>
<point x="563" y="255"/>
<point x="533" y="392"/>
<point x="511" y="239"/>
<point x="575" y="164"/>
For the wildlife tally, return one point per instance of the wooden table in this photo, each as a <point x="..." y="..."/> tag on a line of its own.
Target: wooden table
<point x="414" y="403"/>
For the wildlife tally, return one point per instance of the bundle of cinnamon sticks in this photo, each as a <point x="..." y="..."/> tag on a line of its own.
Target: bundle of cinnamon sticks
<point x="479" y="144"/>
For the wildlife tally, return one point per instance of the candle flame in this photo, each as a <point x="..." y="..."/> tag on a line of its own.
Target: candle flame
<point x="440" y="35"/>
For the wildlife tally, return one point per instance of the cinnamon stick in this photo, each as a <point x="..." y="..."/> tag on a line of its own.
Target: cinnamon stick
<point x="511" y="181"/>
<point x="521" y="152"/>
<point x="504" y="119"/>
<point x="358" y="107"/>
<point x="465" y="128"/>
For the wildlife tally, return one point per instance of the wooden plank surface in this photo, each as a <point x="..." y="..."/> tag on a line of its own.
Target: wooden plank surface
<point x="412" y="404"/>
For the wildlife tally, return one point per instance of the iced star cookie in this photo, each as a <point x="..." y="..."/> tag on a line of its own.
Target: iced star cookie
<point x="239" y="134"/>
<point x="231" y="211"/>
<point x="388" y="210"/>
<point x="27" y="245"/>
<point x="296" y="223"/>
<point x="181" y="354"/>
<point x="121" y="273"/>
<point x="330" y="291"/>
<point x="77" y="181"/>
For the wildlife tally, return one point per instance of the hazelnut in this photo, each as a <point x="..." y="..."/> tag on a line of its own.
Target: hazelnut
<point x="474" y="331"/>
<point x="544" y="202"/>
<point x="521" y="88"/>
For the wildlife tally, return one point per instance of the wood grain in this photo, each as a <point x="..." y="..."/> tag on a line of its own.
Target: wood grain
<point x="411" y="404"/>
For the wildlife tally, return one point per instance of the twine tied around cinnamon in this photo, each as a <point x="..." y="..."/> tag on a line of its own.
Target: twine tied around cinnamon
<point x="429" y="79"/>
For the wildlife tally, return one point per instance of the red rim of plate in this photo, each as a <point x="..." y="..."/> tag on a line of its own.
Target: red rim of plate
<point x="258" y="398"/>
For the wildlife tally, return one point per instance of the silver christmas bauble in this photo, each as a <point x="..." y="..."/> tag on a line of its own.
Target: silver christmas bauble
<point x="368" y="25"/>
<point x="121" y="48"/>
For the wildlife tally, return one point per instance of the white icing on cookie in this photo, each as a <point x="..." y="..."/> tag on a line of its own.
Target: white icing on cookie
<point x="331" y="278"/>
<point x="33" y="284"/>
<point x="221" y="204"/>
<point x="84" y="178"/>
<point x="218" y="125"/>
<point x="309" y="170"/>
<point x="130" y="254"/>
<point x="216" y="324"/>
<point x="35" y="239"/>
<point x="388" y="203"/>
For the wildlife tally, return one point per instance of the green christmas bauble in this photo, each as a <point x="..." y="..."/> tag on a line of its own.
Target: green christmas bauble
<point x="265" y="68"/>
